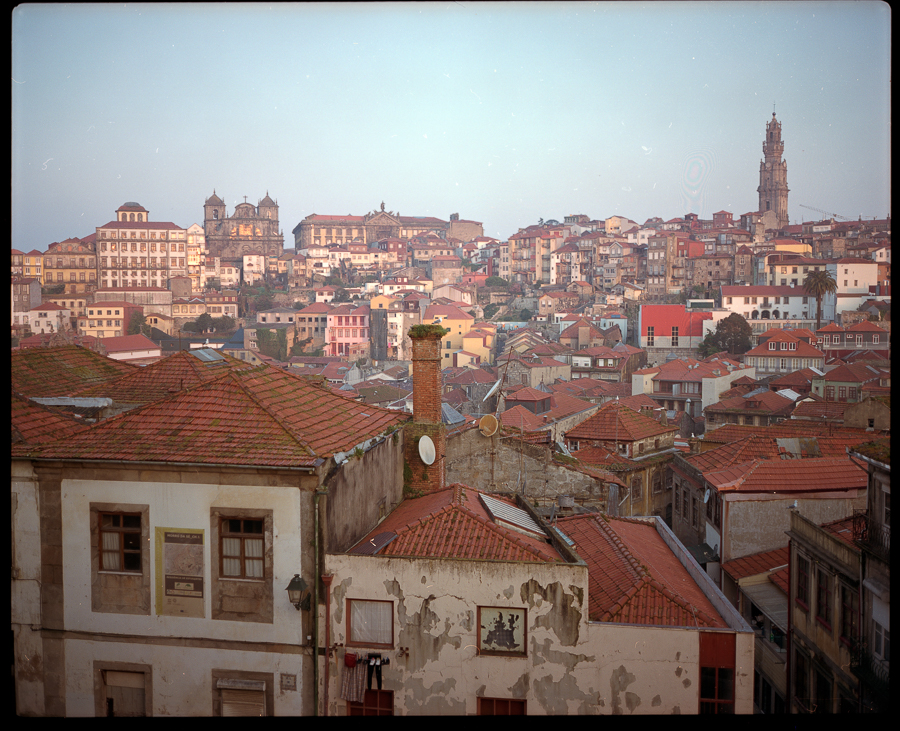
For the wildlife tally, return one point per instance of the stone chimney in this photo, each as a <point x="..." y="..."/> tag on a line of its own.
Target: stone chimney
<point x="421" y="478"/>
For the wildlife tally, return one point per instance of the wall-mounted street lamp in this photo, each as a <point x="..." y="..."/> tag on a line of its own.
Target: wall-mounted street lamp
<point x="298" y="593"/>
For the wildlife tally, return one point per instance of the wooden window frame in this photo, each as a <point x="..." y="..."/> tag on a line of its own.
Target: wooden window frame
<point x="502" y="707"/>
<point x="849" y="630"/>
<point x="802" y="597"/>
<point x="242" y="535"/>
<point x="351" y="642"/>
<point x="121" y="530"/>
<point x="824" y="597"/>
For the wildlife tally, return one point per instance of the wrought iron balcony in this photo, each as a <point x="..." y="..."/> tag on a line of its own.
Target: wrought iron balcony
<point x="872" y="535"/>
<point x="869" y="669"/>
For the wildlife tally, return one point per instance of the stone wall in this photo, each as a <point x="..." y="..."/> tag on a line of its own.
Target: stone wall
<point x="506" y="464"/>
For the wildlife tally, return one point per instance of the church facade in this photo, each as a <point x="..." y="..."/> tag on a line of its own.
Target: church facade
<point x="773" y="189"/>
<point x="249" y="230"/>
<point x="324" y="230"/>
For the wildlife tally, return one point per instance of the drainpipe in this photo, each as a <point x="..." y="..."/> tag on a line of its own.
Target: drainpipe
<point x="327" y="579"/>
<point x="315" y="606"/>
<point x="789" y="689"/>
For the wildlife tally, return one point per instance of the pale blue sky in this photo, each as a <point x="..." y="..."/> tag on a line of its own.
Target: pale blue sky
<point x="504" y="113"/>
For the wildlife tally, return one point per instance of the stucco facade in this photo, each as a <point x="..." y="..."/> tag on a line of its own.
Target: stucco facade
<point x="571" y="665"/>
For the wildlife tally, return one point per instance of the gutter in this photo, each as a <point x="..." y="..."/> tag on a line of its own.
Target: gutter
<point x="157" y="463"/>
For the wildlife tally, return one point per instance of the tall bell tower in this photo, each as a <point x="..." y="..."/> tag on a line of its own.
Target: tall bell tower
<point x="773" y="190"/>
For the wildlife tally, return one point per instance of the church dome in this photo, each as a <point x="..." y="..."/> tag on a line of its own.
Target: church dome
<point x="131" y="206"/>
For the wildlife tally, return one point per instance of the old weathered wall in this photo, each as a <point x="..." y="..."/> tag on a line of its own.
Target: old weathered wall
<point x="571" y="666"/>
<point x="505" y="464"/>
<point x="367" y="487"/>
<point x="759" y="524"/>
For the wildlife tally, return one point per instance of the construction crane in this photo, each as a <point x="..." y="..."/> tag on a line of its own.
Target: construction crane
<point x="830" y="215"/>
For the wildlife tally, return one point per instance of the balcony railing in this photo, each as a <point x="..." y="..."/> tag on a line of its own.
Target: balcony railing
<point x="872" y="535"/>
<point x="869" y="669"/>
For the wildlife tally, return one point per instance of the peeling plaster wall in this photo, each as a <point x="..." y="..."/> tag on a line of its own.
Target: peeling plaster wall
<point x="573" y="666"/>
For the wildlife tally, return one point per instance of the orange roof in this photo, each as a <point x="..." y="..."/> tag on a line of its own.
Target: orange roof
<point x="758" y="563"/>
<point x="454" y="523"/>
<point x="633" y="576"/>
<point x="159" y="380"/>
<point x="615" y="421"/>
<point x="259" y="416"/>
<point x="790" y="476"/>
<point x="35" y="424"/>
<point x="62" y="370"/>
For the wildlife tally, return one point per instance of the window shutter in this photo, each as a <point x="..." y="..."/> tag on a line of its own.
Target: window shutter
<point x="242" y="697"/>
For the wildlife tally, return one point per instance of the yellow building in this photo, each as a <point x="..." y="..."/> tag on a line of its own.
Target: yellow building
<point x="32" y="265"/>
<point x="72" y="263"/>
<point x="451" y="318"/>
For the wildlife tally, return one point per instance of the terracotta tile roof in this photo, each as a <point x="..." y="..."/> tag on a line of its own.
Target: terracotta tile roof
<point x="787" y="428"/>
<point x="841" y="529"/>
<point x="803" y="349"/>
<point x="602" y="457"/>
<point x="789" y="476"/>
<point x="833" y="410"/>
<point x="259" y="416"/>
<point x="766" y="402"/>
<point x="739" y="452"/>
<point x="615" y="421"/>
<point x="758" y="563"/>
<point x="782" y="578"/>
<point x="454" y="523"/>
<point x="633" y="576"/>
<point x="32" y="423"/>
<point x="159" y="380"/>
<point x="664" y="317"/>
<point x="62" y="370"/>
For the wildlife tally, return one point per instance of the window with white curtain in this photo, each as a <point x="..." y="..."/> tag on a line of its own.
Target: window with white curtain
<point x="371" y="623"/>
<point x="242" y="547"/>
<point x="120" y="542"/>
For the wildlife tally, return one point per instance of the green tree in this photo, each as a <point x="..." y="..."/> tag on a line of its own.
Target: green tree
<point x="496" y="282"/>
<point x="204" y="322"/>
<point x="137" y="325"/>
<point x="223" y="324"/>
<point x="733" y="334"/>
<point x="263" y="302"/>
<point x="342" y="295"/>
<point x="818" y="284"/>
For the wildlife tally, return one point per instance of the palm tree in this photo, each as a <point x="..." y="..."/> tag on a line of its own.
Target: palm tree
<point x="819" y="283"/>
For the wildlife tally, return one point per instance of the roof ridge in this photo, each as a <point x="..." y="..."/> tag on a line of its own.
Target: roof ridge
<point x="503" y="532"/>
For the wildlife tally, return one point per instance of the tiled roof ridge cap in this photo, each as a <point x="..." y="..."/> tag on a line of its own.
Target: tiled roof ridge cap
<point x="616" y="541"/>
<point x="680" y="601"/>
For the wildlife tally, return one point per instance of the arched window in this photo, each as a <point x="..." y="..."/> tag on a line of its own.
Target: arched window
<point x="132" y="217"/>
<point x="140" y="217"/>
<point x="215" y="214"/>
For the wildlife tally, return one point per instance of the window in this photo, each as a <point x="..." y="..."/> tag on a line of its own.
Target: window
<point x="370" y="623"/>
<point x="801" y="681"/>
<point x="823" y="597"/>
<point x="123" y="690"/>
<point x="120" y="542"/>
<point x="674" y="337"/>
<point x="501" y="707"/>
<point x="375" y="703"/>
<point x="717" y="672"/>
<point x="650" y="337"/>
<point x="241" y="548"/>
<point x="803" y="582"/>
<point x="881" y="641"/>
<point x="849" y="614"/>
<point x="823" y="692"/>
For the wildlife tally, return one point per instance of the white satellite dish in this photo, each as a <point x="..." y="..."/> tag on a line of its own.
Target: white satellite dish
<point x="491" y="391"/>
<point x="426" y="450"/>
<point x="488" y="425"/>
<point x="706" y="496"/>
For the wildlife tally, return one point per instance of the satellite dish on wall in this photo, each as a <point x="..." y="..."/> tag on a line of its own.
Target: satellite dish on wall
<point x="488" y="425"/>
<point x="491" y="391"/>
<point x="706" y="496"/>
<point x="426" y="450"/>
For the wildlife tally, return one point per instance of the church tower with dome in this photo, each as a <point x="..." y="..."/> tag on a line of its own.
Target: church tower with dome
<point x="249" y="230"/>
<point x="773" y="190"/>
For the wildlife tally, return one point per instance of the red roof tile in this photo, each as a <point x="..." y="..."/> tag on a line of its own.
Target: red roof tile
<point x="258" y="416"/>
<point x="789" y="476"/>
<point x="61" y="371"/>
<point x="617" y="422"/>
<point x="758" y="563"/>
<point x="633" y="576"/>
<point x="453" y="523"/>
<point x="32" y="423"/>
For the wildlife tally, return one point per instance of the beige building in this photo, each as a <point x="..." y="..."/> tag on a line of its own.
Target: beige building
<point x="135" y="252"/>
<point x="72" y="262"/>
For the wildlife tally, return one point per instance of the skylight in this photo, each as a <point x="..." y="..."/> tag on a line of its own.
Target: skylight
<point x="516" y="518"/>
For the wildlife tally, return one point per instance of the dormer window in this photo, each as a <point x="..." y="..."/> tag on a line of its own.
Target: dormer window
<point x="772" y="346"/>
<point x="793" y="346"/>
<point x="784" y="346"/>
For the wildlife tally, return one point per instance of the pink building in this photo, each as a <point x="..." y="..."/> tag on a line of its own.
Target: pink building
<point x="348" y="331"/>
